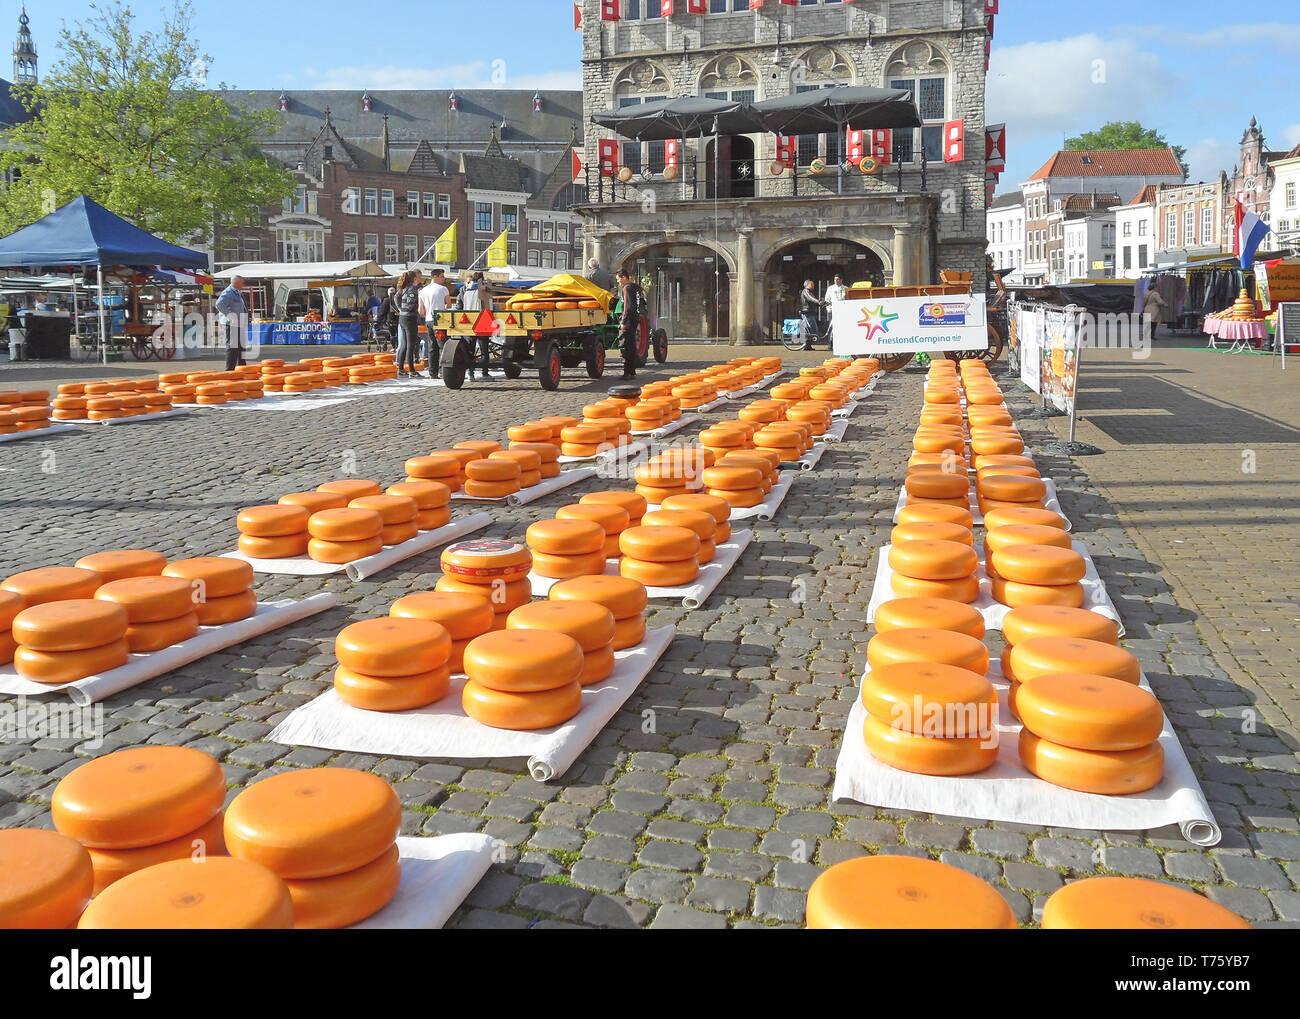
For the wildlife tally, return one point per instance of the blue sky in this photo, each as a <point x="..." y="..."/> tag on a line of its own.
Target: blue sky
<point x="1195" y="69"/>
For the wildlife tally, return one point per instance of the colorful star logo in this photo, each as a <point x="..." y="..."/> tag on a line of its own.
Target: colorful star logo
<point x="876" y="321"/>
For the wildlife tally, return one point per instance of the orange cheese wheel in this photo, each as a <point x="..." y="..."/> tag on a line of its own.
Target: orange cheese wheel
<point x="483" y="447"/>
<point x="214" y="893"/>
<point x="535" y="432"/>
<point x="718" y="509"/>
<point x="55" y="667"/>
<point x="1092" y="771"/>
<point x="272" y="521"/>
<point x="924" y="755"/>
<point x="136" y="797"/>
<point x="904" y="893"/>
<point x="393" y="646"/>
<point x="634" y="504"/>
<point x="352" y="488"/>
<point x="702" y="523"/>
<point x="964" y="589"/>
<point x="500" y="709"/>
<point x="313" y="822"/>
<point x="392" y="509"/>
<point x="347" y="524"/>
<point x="1011" y="488"/>
<point x="492" y="489"/>
<point x="1040" y="656"/>
<point x="504" y="595"/>
<point x="936" y="443"/>
<point x="212" y="576"/>
<point x="589" y="623"/>
<point x="285" y="547"/>
<point x="659" y="544"/>
<point x="1025" y="534"/>
<point x="597" y="665"/>
<point x="937" y="485"/>
<point x="122" y="563"/>
<point x="484" y="560"/>
<point x="929" y="614"/>
<point x="659" y="574"/>
<point x="1130" y="903"/>
<point x="463" y="616"/>
<point x="427" y="495"/>
<point x="10" y="605"/>
<point x="493" y="470"/>
<point x="581" y="450"/>
<point x="931" y="512"/>
<point x="739" y="499"/>
<point x="940" y="701"/>
<point x="628" y="632"/>
<point x="1089" y="712"/>
<point x="523" y="661"/>
<point x="566" y="537"/>
<point x="329" y="903"/>
<point x="434" y="467"/>
<point x="53" y="583"/>
<point x="395" y="534"/>
<point x="74" y="625"/>
<point x="582" y="435"/>
<point x="1005" y="470"/>
<point x="557" y="423"/>
<point x="666" y="474"/>
<point x="431" y="520"/>
<point x="527" y="460"/>
<point x="45" y="879"/>
<point x="611" y="547"/>
<point x="957" y="504"/>
<point x="566" y="567"/>
<point x="226" y="609"/>
<point x="1038" y="564"/>
<point x="1057" y="621"/>
<point x="1015" y="595"/>
<point x="611" y="519"/>
<point x="144" y="637"/>
<point x="149" y="599"/>
<point x="623" y="597"/>
<point x="549" y="470"/>
<point x="931" y="531"/>
<point x="314" y="502"/>
<point x="547" y="452"/>
<point x="392" y="693"/>
<point x="942" y="647"/>
<point x="1007" y="459"/>
<point x="985" y="444"/>
<point x="933" y="560"/>
<point x="111" y="865"/>
<point x="461" y="456"/>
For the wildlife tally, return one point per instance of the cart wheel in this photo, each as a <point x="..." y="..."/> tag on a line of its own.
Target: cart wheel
<point x="596" y="361"/>
<point x="659" y="341"/>
<point x="453" y="375"/>
<point x="988" y="355"/>
<point x="166" y="350"/>
<point x="512" y="369"/>
<point x="141" y="350"/>
<point x="550" y="371"/>
<point x="642" y="347"/>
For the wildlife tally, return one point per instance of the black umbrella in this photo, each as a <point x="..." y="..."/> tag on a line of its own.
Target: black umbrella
<point x="684" y="117"/>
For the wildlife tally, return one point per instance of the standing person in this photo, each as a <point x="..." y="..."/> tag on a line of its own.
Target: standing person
<point x="599" y="276"/>
<point x="629" y="292"/>
<point x="809" y="305"/>
<point x="408" y="322"/>
<point x="835" y="293"/>
<point x="1153" y="309"/>
<point x="234" y="318"/>
<point x="433" y="298"/>
<point x="470" y="298"/>
<point x="386" y="317"/>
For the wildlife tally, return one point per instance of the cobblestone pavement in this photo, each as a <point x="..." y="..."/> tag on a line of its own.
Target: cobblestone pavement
<point x="720" y="816"/>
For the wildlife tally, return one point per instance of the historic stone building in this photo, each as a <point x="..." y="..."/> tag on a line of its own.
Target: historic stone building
<point x="727" y="241"/>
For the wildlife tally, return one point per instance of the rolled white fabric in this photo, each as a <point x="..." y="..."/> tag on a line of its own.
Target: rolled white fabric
<point x="437" y="876"/>
<point x="425" y="541"/>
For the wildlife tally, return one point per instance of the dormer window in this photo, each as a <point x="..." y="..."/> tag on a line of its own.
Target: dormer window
<point x="366" y="103"/>
<point x="453" y="102"/>
<point x="537" y="102"/>
<point x="284" y="103"/>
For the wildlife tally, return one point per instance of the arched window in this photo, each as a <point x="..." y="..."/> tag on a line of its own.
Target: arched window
<point x="642" y="82"/>
<point x="729" y="77"/>
<point x="924" y="68"/>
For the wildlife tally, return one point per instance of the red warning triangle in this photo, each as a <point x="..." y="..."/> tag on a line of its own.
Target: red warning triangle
<point x="510" y="320"/>
<point x="485" y="324"/>
<point x="464" y="320"/>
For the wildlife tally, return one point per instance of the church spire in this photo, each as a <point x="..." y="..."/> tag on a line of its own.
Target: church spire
<point x="24" y="52"/>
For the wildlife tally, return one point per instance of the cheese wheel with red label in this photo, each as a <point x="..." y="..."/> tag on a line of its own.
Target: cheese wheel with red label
<point x="933" y="560"/>
<point x="940" y="701"/>
<point x="392" y="693"/>
<point x="393" y="646"/>
<point x="933" y="512"/>
<point x="74" y="625"/>
<point x="523" y="661"/>
<point x="348" y="524"/>
<point x="1010" y="593"/>
<point x="463" y="616"/>
<point x="145" y="637"/>
<point x="272" y="521"/>
<point x="226" y="609"/>
<point x="1041" y="656"/>
<point x="122" y="563"/>
<point x="111" y="865"/>
<point x="964" y="589"/>
<point x="635" y="505"/>
<point x="484" y="560"/>
<point x="140" y="796"/>
<point x="660" y="574"/>
<point x="53" y="583"/>
<point x="589" y="623"/>
<point x="929" y="614"/>
<point x="942" y="647"/>
<point x="1089" y="712"/>
<point x="351" y="488"/>
<point x="1057" y="621"/>
<point x="566" y="537"/>
<point x="891" y="893"/>
<point x="659" y="544"/>
<point x="1092" y="771"/>
<point x="45" y="879"/>
<point x="329" y="903"/>
<point x="625" y="598"/>
<point x="284" y="547"/>
<point x="314" y="502"/>
<point x="1038" y="564"/>
<point x="501" y="709"/>
<point x="1130" y="903"/>
<point x="313" y="822"/>
<point x="924" y="755"/>
<point x="212" y="576"/>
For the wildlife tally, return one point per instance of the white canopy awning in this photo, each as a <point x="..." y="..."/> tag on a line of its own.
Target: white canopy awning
<point x="305" y="270"/>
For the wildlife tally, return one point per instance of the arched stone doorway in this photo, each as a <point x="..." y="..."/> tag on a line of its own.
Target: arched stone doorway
<point x="818" y="260"/>
<point x="690" y="290"/>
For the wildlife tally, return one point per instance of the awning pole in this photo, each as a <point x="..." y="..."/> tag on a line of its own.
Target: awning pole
<point x="103" y="337"/>
<point x="76" y="313"/>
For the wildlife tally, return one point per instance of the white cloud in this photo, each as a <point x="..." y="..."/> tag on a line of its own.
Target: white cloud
<point x="1275" y="35"/>
<point x="1208" y="156"/>
<point x="477" y="74"/>
<point x="1291" y="136"/>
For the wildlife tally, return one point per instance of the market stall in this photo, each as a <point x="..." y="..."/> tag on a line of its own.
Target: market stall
<point x="308" y="302"/>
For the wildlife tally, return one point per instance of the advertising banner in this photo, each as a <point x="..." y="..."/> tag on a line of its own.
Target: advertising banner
<point x="1030" y="334"/>
<point x="1060" y="361"/>
<point x="894" y="325"/>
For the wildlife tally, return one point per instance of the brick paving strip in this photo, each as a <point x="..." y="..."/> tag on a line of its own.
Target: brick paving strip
<point x="705" y="801"/>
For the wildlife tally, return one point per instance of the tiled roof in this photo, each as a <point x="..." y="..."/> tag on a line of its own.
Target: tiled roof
<point x="1147" y="194"/>
<point x="1110" y="163"/>
<point x="493" y="173"/>
<point x="12" y="111"/>
<point x="1007" y="201"/>
<point x="1089" y="202"/>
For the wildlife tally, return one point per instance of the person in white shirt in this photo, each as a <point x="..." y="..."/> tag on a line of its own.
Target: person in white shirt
<point x="433" y="297"/>
<point x="835" y="293"/>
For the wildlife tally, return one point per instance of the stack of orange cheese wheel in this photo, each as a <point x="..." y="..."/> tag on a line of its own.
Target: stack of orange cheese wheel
<point x="545" y="442"/>
<point x="608" y="415"/>
<point x="788" y="439"/>
<point x="612" y="519"/>
<point x="160" y="610"/>
<point x="727" y="437"/>
<point x="1036" y="574"/>
<point x="523" y="679"/>
<point x="24" y="410"/>
<point x="566" y="548"/>
<point x="529" y="461"/>
<point x="46" y="879"/>
<point x="277" y="531"/>
<point x="659" y="556"/>
<point x="443" y="468"/>
<point x="1030" y="621"/>
<point x="394" y="663"/>
<point x="703" y="523"/>
<point x="934" y="568"/>
<point x="432" y="502"/>
<point x="766" y="461"/>
<point x="69" y="405"/>
<point x="69" y="639"/>
<point x="344" y="535"/>
<point x="1130" y="903"/>
<point x="590" y="623"/>
<point x="10" y="605"/>
<point x="140" y="807"/>
<point x="625" y="599"/>
<point x="764" y="412"/>
<point x="634" y="503"/>
<point x="816" y="413"/>
<point x="397" y="514"/>
<point x="719" y="509"/>
<point x="662" y="477"/>
<point x="740" y="486"/>
<point x="493" y="567"/>
<point x="463" y="616"/>
<point x="695" y="393"/>
<point x="584" y="440"/>
<point x="330" y="834"/>
<point x="221" y="589"/>
<point x="492" y="479"/>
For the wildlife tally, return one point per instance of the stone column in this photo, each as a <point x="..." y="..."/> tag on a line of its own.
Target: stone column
<point x="902" y="258"/>
<point x="760" y="306"/>
<point x="742" y="292"/>
<point x="925" y="270"/>
<point x="595" y="249"/>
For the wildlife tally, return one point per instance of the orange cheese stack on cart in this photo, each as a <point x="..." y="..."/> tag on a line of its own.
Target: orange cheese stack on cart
<point x="634" y="504"/>
<point x="567" y="548"/>
<point x="492" y="479"/>
<point x="934" y="569"/>
<point x="392" y="663"/>
<point x="929" y="614"/>
<point x="659" y="556"/>
<point x="716" y="507"/>
<point x="523" y="679"/>
<point x="63" y="641"/>
<point x="160" y="610"/>
<point x="612" y="519"/>
<point x="1036" y="575"/>
<point x="1130" y="903"/>
<point x="432" y="502"/>
<point x="591" y="624"/>
<point x="442" y="468"/>
<point x="494" y="567"/>
<point x="329" y="833"/>
<point x="530" y="464"/>
<point x="548" y="456"/>
<point x="344" y="535"/>
<point x="220" y="588"/>
<point x="904" y="893"/>
<point x="46" y="879"/>
<point x="624" y="598"/>
<point x="463" y="616"/>
<point x="397" y="512"/>
<point x="53" y="583"/>
<point x="122" y="563"/>
<point x="739" y="486"/>
<point x="664" y="477"/>
<point x="276" y="531"/>
<point x="702" y="523"/>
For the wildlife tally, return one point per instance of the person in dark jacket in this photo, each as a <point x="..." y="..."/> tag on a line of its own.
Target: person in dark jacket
<point x="408" y="322"/>
<point x="629" y="326"/>
<point x="385" y="320"/>
<point x="809" y="306"/>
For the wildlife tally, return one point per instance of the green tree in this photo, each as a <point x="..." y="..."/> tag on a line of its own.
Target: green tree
<point x="126" y="119"/>
<point x="1126" y="134"/>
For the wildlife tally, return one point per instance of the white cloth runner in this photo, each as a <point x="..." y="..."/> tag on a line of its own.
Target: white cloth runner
<point x="847" y="411"/>
<point x="835" y="433"/>
<point x="866" y="390"/>
<point x="1095" y="596"/>
<point x="1051" y="502"/>
<point x="614" y="453"/>
<point x="437" y="876"/>
<point x="694" y="594"/>
<point x="40" y="433"/>
<point x="360" y="569"/>
<point x="270" y="403"/>
<point x="136" y="418"/>
<point x="766" y="509"/>
<point x="704" y="408"/>
<point x="443" y="730"/>
<point x="539" y="491"/>
<point x="809" y="460"/>
<point x="685" y="421"/>
<point x="1008" y="792"/>
<point x="141" y="668"/>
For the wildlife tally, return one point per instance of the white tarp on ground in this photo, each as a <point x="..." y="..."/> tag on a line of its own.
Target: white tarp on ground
<point x="1051" y="502"/>
<point x="539" y="491"/>
<point x="38" y="433"/>
<point x="437" y="876"/>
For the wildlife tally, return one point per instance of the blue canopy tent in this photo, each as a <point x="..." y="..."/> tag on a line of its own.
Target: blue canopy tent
<point x="83" y="233"/>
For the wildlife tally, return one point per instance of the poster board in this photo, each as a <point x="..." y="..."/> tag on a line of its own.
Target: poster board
<point x="1278" y="284"/>
<point x="1060" y="360"/>
<point x="891" y="325"/>
<point x="1030" y="332"/>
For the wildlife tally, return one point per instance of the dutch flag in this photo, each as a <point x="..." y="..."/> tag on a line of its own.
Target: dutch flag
<point x="1250" y="232"/>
